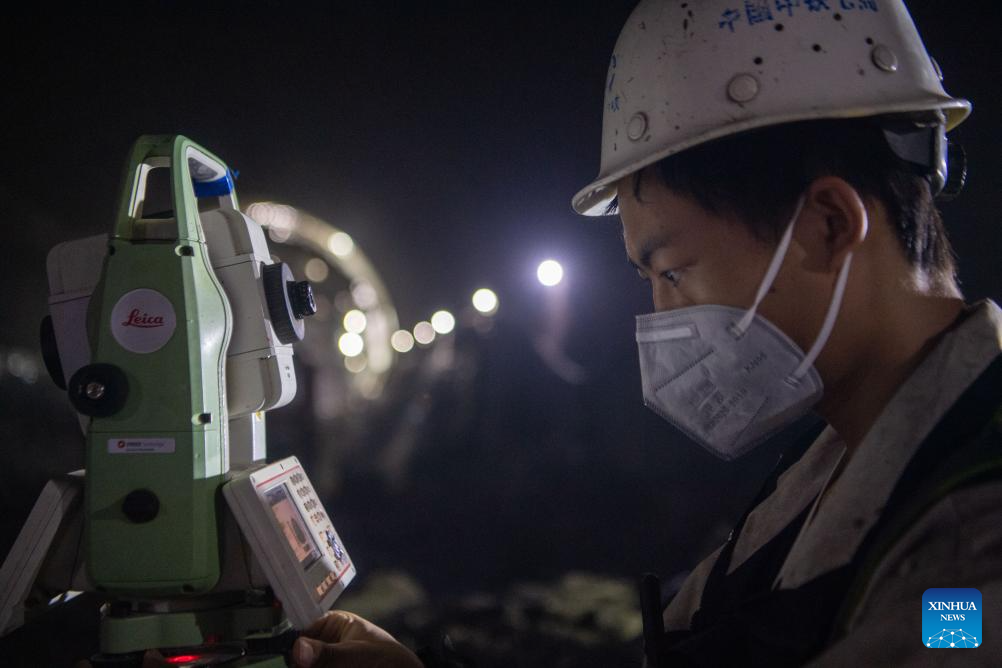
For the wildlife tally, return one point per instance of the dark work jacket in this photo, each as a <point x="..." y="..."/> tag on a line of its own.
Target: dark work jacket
<point x="742" y="620"/>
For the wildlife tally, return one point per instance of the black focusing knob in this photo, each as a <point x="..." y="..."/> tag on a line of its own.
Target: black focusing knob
<point x="277" y="279"/>
<point x="301" y="296"/>
<point x="141" y="506"/>
<point x="98" y="390"/>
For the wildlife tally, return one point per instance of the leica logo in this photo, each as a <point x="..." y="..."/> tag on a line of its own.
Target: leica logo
<point x="142" y="319"/>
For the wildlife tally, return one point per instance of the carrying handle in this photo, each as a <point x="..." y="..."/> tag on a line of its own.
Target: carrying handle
<point x="195" y="173"/>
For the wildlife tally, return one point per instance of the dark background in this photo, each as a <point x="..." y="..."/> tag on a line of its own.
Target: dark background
<point x="447" y="139"/>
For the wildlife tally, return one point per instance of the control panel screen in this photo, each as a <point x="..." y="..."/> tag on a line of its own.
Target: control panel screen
<point x="292" y="525"/>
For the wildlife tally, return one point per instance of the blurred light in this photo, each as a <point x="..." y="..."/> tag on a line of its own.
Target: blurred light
<point x="279" y="234"/>
<point x="341" y="244"/>
<point x="351" y="344"/>
<point x="354" y="321"/>
<point x="364" y="295"/>
<point x="23" y="366"/>
<point x="316" y="270"/>
<point x="371" y="389"/>
<point x="323" y="313"/>
<point x="550" y="273"/>
<point x="259" y="212"/>
<point x="485" y="301"/>
<point x="379" y="354"/>
<point x="443" y="322"/>
<point x="355" y="364"/>
<point x="273" y="215"/>
<point x="402" y="341"/>
<point x="343" y="301"/>
<point x="424" y="333"/>
<point x="280" y="219"/>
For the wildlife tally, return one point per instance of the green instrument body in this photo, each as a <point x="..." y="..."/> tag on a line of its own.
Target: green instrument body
<point x="167" y="445"/>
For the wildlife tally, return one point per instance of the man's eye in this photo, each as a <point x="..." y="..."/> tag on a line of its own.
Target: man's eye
<point x="671" y="276"/>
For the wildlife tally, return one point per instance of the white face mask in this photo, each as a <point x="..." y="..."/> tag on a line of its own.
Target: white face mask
<point x="729" y="378"/>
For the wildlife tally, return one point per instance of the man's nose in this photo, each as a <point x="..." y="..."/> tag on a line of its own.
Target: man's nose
<point x="666" y="297"/>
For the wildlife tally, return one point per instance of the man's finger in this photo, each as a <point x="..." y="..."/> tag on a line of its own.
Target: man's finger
<point x="310" y="653"/>
<point x="339" y="626"/>
<point x="305" y="651"/>
<point x="330" y="627"/>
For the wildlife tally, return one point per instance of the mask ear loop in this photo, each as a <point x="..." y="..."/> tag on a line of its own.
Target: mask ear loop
<point x="770" y="275"/>
<point x="828" y="325"/>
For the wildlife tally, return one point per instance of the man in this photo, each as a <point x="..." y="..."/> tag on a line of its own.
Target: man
<point x="774" y="165"/>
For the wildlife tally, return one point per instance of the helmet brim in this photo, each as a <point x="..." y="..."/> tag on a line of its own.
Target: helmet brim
<point x="594" y="199"/>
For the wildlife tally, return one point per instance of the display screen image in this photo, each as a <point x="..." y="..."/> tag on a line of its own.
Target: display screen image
<point x="293" y="527"/>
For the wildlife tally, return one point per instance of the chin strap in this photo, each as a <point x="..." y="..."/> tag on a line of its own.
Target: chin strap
<point x="770" y="276"/>
<point x="828" y="324"/>
<point x="772" y="271"/>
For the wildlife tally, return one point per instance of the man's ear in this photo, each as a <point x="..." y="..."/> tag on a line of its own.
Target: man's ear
<point x="832" y="224"/>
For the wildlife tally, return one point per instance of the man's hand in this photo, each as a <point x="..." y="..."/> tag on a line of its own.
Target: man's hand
<point x="345" y="640"/>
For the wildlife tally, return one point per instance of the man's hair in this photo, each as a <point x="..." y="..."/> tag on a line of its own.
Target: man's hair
<point x="757" y="177"/>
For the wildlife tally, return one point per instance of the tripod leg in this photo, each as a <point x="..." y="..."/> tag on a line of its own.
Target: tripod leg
<point x="57" y="507"/>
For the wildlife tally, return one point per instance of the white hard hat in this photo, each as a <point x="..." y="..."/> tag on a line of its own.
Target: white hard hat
<point x="684" y="73"/>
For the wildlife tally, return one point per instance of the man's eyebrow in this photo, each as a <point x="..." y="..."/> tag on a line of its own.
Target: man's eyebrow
<point x="648" y="248"/>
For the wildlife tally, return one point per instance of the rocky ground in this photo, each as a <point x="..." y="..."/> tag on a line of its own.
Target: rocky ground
<point x="578" y="620"/>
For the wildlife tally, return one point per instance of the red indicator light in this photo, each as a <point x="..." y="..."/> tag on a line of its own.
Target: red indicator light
<point x="183" y="658"/>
